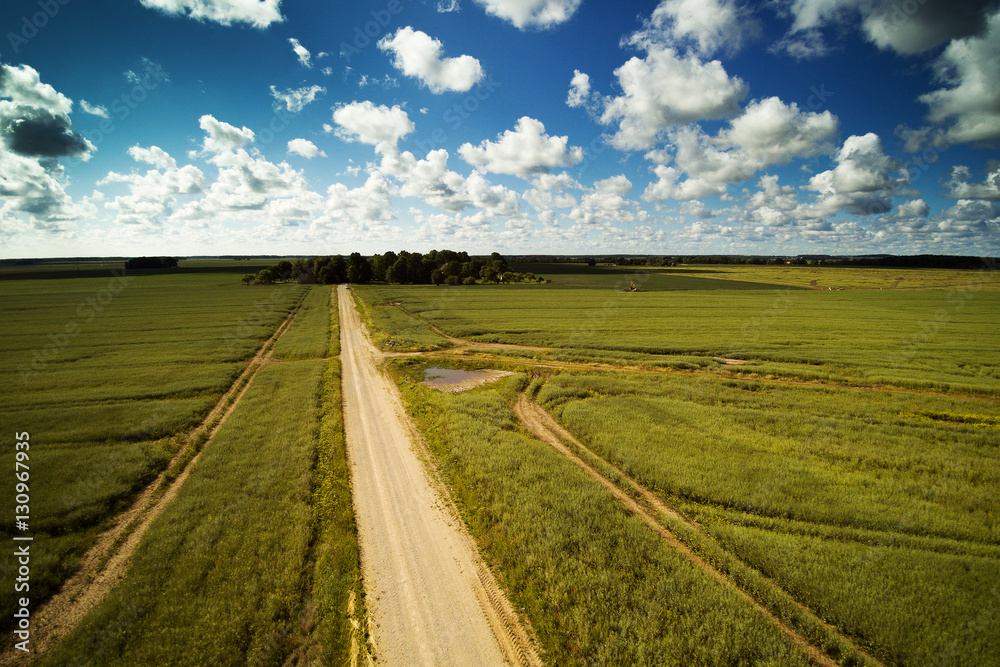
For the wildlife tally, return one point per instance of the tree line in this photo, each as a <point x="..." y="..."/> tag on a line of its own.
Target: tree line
<point x="437" y="267"/>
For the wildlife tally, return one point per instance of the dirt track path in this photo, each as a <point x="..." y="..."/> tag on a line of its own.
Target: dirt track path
<point x="431" y="600"/>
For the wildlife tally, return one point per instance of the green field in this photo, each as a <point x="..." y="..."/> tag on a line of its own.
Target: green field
<point x="107" y="374"/>
<point x="829" y="437"/>
<point x="851" y="465"/>
<point x="943" y="337"/>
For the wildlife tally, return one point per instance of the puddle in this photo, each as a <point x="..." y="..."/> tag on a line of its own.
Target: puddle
<point x="454" y="380"/>
<point x="442" y="376"/>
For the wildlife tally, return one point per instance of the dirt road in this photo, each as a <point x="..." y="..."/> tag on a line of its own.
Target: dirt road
<point x="430" y="598"/>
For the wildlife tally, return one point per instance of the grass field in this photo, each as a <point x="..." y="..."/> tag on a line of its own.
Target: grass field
<point x="851" y="466"/>
<point x="255" y="560"/>
<point x="852" y="501"/>
<point x="106" y="373"/>
<point x="943" y="337"/>
<point x="598" y="587"/>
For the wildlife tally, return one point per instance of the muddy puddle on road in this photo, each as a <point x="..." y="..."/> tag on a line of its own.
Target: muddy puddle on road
<point x="454" y="380"/>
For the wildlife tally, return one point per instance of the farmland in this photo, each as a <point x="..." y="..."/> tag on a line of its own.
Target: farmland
<point x="746" y="465"/>
<point x="843" y="474"/>
<point x="109" y="374"/>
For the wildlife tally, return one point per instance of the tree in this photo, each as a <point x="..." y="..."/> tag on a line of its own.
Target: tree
<point x="283" y="269"/>
<point x="248" y="278"/>
<point x="359" y="270"/>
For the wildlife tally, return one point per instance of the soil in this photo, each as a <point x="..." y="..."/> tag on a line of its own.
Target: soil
<point x="430" y="598"/>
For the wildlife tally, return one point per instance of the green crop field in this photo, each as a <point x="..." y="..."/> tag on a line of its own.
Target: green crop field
<point x="107" y="374"/>
<point x="827" y="442"/>
<point x="941" y="337"/>
<point x="850" y="464"/>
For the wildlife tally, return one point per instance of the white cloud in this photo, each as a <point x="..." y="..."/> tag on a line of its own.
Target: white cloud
<point x="305" y="148"/>
<point x="417" y="54"/>
<point x="153" y="155"/>
<point x="258" y="13"/>
<point x="301" y="52"/>
<point x="663" y="90"/>
<point x="295" y="99"/>
<point x="861" y="183"/>
<point x="222" y="137"/>
<point x="606" y="204"/>
<point x="532" y="13"/>
<point x="773" y="132"/>
<point x="768" y="132"/>
<point x="153" y="196"/>
<point x="378" y="126"/>
<point x="707" y="25"/>
<point x="35" y="132"/>
<point x="523" y="151"/>
<point x="959" y="186"/>
<point x="906" y="28"/>
<point x="447" y="6"/>
<point x="970" y="104"/>
<point x="94" y="109"/>
<point x="579" y="89"/>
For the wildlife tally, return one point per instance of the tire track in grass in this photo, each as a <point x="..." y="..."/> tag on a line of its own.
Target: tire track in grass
<point x="106" y="563"/>
<point x="546" y="429"/>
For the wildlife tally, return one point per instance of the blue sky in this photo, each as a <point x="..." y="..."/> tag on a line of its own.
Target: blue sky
<point x="526" y="126"/>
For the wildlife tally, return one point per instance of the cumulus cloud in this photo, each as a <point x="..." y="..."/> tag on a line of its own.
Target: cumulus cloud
<point x="969" y="104"/>
<point x="295" y="99"/>
<point x="153" y="196"/>
<point x="606" y="203"/>
<point x="531" y="13"/>
<point x="153" y="155"/>
<point x="379" y="126"/>
<point x="579" y="89"/>
<point x="523" y="151"/>
<point x="862" y="182"/>
<point x="906" y="28"/>
<point x="432" y="181"/>
<point x="34" y="118"/>
<point x="806" y="45"/>
<point x="94" y="109"/>
<point x="960" y="187"/>
<point x="35" y="132"/>
<point x="301" y="52"/>
<point x="663" y="90"/>
<point x="418" y="55"/>
<point x="768" y="132"/>
<point x="258" y="13"/>
<point x="773" y="132"/>
<point x="305" y="148"/>
<point x="222" y="137"/>
<point x="706" y="26"/>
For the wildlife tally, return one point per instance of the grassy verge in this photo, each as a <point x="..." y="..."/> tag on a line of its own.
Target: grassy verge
<point x="307" y="337"/>
<point x="391" y="327"/>
<point x="597" y="585"/>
